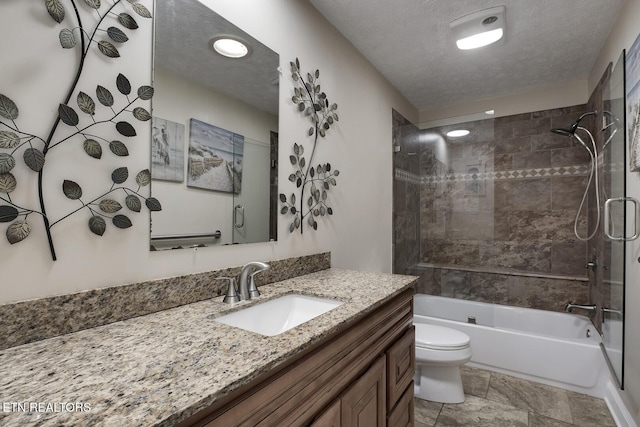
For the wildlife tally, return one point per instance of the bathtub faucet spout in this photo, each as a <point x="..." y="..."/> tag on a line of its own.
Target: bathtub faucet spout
<point x="591" y="308"/>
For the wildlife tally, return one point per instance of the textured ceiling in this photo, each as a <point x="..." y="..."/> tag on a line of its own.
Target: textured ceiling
<point x="409" y="41"/>
<point x="183" y="29"/>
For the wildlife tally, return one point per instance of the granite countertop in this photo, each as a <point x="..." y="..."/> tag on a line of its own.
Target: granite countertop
<point x="160" y="368"/>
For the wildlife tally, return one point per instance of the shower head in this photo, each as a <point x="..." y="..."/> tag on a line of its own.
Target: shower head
<point x="571" y="130"/>
<point x="564" y="131"/>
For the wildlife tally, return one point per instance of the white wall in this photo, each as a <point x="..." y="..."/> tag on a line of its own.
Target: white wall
<point x="622" y="36"/>
<point x="35" y="72"/>
<point x="556" y="96"/>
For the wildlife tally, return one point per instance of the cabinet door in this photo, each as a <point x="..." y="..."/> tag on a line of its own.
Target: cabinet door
<point x="364" y="404"/>
<point x="330" y="417"/>
<point x="402" y="415"/>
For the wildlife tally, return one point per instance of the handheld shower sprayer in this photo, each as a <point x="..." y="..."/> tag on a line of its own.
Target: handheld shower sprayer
<point x="571" y="131"/>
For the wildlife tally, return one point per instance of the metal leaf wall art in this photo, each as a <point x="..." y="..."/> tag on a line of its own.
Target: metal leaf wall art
<point x="316" y="180"/>
<point x="86" y="117"/>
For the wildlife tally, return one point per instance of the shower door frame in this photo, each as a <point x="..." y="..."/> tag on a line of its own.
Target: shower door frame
<point x="615" y="165"/>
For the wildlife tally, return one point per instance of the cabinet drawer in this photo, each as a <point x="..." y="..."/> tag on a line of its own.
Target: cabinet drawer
<point x="401" y="366"/>
<point x="402" y="414"/>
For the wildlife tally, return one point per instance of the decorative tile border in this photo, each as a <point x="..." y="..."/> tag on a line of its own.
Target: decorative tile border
<point x="509" y="174"/>
<point x="576" y="170"/>
<point x="34" y="320"/>
<point x="402" y="175"/>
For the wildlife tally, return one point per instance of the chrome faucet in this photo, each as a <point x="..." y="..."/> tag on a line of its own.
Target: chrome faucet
<point x="591" y="308"/>
<point x="246" y="283"/>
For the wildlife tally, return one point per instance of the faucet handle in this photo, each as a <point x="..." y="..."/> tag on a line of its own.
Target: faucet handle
<point x="253" y="289"/>
<point x="232" y="293"/>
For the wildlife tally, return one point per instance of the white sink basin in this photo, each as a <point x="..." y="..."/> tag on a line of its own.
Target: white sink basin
<point x="279" y="315"/>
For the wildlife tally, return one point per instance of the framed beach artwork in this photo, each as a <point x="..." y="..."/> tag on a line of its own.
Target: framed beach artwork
<point x="167" y="150"/>
<point x="632" y="82"/>
<point x="215" y="158"/>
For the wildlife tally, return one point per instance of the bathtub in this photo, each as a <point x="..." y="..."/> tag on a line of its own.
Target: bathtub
<point x="558" y="349"/>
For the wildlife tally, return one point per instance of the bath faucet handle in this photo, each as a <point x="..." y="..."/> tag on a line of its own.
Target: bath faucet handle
<point x="253" y="289"/>
<point x="232" y="292"/>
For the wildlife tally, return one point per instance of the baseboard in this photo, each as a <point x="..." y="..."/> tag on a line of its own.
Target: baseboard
<point x="617" y="407"/>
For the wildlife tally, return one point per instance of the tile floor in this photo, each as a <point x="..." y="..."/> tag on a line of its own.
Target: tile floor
<point x="497" y="400"/>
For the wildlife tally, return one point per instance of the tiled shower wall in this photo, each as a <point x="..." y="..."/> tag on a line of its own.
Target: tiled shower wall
<point x="496" y="210"/>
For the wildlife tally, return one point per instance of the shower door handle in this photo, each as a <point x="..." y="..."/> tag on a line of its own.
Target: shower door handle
<point x="636" y="218"/>
<point x="235" y="216"/>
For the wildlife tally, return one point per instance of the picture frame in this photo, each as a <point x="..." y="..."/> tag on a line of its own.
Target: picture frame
<point x="167" y="150"/>
<point x="215" y="158"/>
<point x="632" y="82"/>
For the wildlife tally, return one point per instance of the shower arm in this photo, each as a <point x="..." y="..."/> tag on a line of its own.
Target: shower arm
<point x="576" y="125"/>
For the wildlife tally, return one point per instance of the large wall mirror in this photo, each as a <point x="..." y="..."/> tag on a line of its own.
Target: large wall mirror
<point x="214" y="132"/>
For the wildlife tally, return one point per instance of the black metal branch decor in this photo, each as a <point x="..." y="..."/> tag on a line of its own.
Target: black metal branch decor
<point x="114" y="20"/>
<point x="317" y="180"/>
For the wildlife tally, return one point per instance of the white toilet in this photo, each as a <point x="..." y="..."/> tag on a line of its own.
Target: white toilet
<point x="440" y="352"/>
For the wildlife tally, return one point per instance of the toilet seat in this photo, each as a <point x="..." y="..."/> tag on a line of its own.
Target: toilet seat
<point x="435" y="337"/>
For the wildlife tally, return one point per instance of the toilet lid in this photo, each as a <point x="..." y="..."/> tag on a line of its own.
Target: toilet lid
<point x="440" y="338"/>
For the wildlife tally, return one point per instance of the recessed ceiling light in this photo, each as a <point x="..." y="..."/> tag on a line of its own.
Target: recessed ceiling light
<point x="479" y="28"/>
<point x="457" y="133"/>
<point x="231" y="47"/>
<point x="490" y="112"/>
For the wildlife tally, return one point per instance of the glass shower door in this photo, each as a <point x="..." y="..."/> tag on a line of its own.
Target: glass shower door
<point x="252" y="191"/>
<point x="614" y="191"/>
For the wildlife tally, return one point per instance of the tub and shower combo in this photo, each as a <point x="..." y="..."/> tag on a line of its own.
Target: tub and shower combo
<point x="474" y="222"/>
<point x="558" y="349"/>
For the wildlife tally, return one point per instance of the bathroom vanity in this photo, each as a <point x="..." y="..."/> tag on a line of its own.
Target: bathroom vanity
<point x="358" y="376"/>
<point x="354" y="363"/>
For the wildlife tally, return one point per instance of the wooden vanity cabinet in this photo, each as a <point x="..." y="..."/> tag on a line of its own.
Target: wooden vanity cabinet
<point x="360" y="376"/>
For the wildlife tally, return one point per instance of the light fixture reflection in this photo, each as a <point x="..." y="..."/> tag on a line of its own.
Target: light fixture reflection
<point x="230" y="47"/>
<point x="457" y="133"/>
